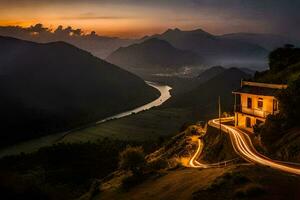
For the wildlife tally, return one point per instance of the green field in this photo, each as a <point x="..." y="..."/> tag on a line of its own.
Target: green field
<point x="146" y="125"/>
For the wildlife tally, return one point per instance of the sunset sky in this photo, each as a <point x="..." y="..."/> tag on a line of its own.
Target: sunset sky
<point x="135" y="18"/>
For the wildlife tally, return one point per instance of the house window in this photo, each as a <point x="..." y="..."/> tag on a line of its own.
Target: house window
<point x="248" y="122"/>
<point x="260" y="103"/>
<point x="249" y="102"/>
<point x="275" y="105"/>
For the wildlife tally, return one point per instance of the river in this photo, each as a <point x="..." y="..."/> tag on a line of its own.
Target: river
<point x="164" y="96"/>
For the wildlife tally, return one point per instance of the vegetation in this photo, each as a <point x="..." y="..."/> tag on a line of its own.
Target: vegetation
<point x="133" y="159"/>
<point x="65" y="171"/>
<point x="284" y="64"/>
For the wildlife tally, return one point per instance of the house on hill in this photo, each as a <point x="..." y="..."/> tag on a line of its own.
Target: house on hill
<point x="254" y="102"/>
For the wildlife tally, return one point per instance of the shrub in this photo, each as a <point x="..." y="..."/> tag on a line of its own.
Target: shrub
<point x="133" y="159"/>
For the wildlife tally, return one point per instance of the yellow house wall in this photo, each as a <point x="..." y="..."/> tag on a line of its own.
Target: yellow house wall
<point x="261" y="112"/>
<point x="240" y="121"/>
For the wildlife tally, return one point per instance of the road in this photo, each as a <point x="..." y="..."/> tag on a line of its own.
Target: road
<point x="243" y="146"/>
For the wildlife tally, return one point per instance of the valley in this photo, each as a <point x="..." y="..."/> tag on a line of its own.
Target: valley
<point x="181" y="114"/>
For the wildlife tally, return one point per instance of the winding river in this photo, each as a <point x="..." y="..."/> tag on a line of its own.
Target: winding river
<point x="35" y="144"/>
<point x="164" y="96"/>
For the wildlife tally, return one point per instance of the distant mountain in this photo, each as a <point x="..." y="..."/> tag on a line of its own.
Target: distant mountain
<point x="204" y="98"/>
<point x="46" y="88"/>
<point x="268" y="41"/>
<point x="98" y="45"/>
<point x="153" y="54"/>
<point x="217" y="50"/>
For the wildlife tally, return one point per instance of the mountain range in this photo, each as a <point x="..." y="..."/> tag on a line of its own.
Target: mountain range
<point x="215" y="49"/>
<point x="53" y="87"/>
<point x="229" y="50"/>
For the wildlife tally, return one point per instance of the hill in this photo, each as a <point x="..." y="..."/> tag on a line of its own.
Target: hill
<point x="216" y="50"/>
<point x="53" y="87"/>
<point x="210" y="73"/>
<point x="154" y="54"/>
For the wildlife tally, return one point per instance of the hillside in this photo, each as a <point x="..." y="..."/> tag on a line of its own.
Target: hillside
<point x="216" y="50"/>
<point x="280" y="136"/>
<point x="53" y="87"/>
<point x="210" y="73"/>
<point x="204" y="97"/>
<point x="164" y="179"/>
<point x="154" y="55"/>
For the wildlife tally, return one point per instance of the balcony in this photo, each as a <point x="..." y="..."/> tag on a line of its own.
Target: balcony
<point x="252" y="111"/>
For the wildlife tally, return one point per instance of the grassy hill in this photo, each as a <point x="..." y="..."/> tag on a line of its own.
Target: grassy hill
<point x="47" y="88"/>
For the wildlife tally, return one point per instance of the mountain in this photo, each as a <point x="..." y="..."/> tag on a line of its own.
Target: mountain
<point x="53" y="87"/>
<point x="99" y="46"/>
<point x="216" y="50"/>
<point x="210" y="73"/>
<point x="153" y="54"/>
<point x="268" y="41"/>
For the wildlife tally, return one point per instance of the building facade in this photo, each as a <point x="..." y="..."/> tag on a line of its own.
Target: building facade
<point x="254" y="102"/>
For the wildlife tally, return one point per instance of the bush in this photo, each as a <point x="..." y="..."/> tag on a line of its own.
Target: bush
<point x="272" y="130"/>
<point x="133" y="159"/>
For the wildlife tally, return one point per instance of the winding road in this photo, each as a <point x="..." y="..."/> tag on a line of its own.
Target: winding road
<point x="243" y="146"/>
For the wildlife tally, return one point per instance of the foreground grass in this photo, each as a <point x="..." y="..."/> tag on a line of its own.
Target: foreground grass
<point x="231" y="182"/>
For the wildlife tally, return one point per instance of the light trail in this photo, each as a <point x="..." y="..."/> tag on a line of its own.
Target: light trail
<point x="195" y="164"/>
<point x="243" y="146"/>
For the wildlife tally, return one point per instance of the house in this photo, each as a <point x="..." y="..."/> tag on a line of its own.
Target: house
<point x="254" y="102"/>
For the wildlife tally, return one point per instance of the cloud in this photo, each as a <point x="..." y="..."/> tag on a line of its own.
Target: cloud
<point x="275" y="16"/>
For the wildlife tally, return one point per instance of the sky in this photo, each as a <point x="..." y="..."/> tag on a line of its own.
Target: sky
<point x="136" y="18"/>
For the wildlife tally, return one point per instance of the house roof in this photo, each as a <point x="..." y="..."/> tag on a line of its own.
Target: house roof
<point x="264" y="91"/>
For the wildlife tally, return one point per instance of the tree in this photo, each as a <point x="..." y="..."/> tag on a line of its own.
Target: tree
<point x="289" y="103"/>
<point x="283" y="57"/>
<point x="133" y="159"/>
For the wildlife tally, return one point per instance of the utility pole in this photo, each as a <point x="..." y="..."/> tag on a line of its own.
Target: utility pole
<point x="220" y="114"/>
